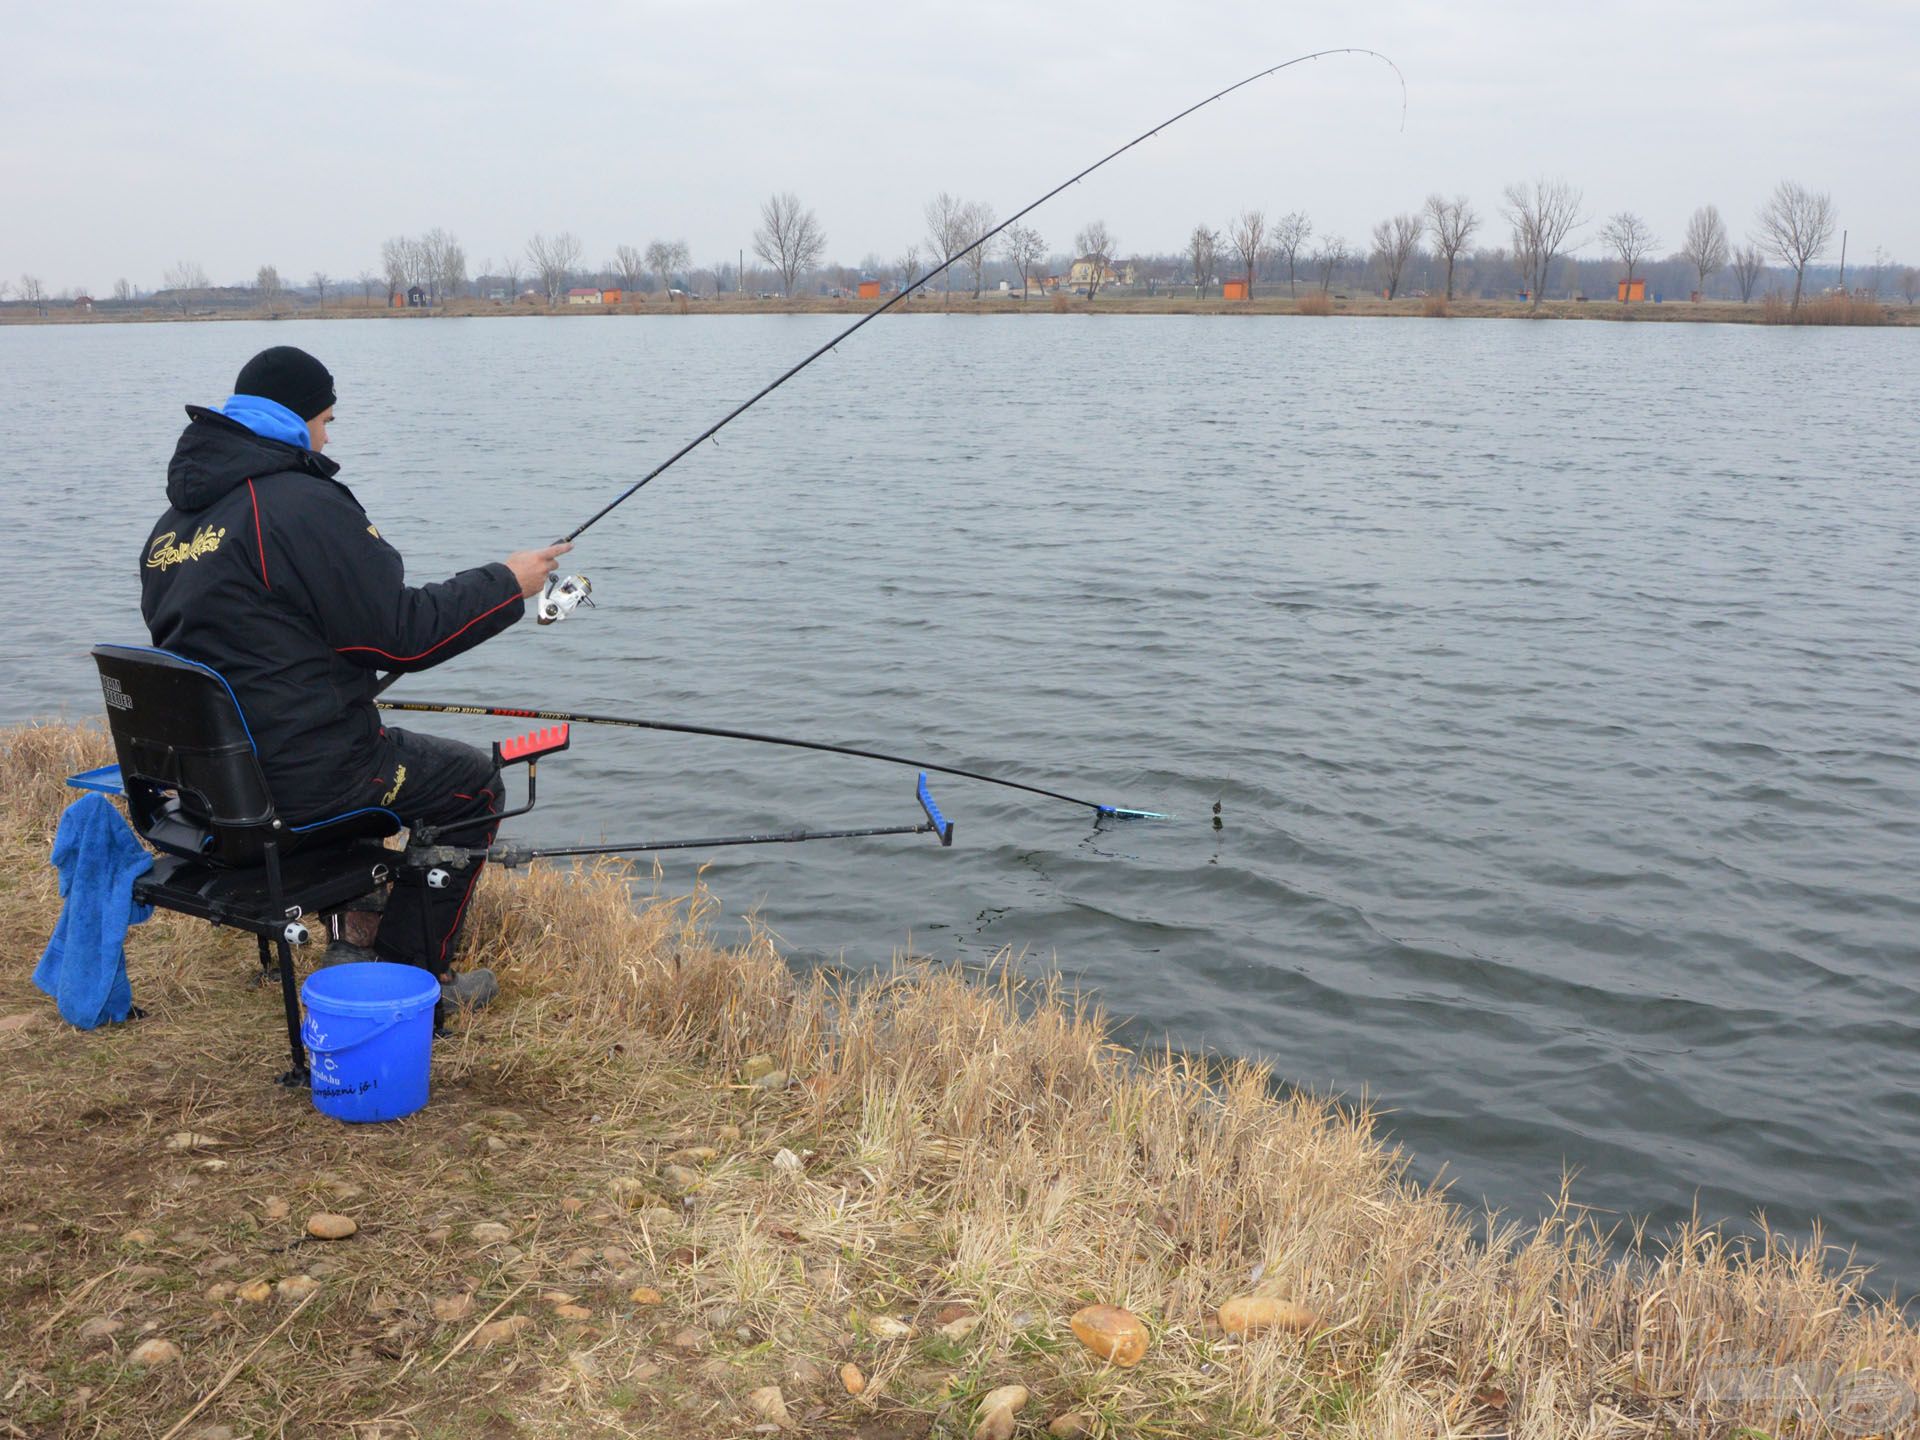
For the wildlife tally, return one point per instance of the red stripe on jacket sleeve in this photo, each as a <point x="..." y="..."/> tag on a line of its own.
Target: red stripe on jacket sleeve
<point x="259" y="543"/>
<point x="407" y="659"/>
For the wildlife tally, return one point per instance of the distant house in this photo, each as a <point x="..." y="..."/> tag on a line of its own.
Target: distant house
<point x="869" y="289"/>
<point x="416" y="297"/>
<point x="585" y="295"/>
<point x="1233" y="290"/>
<point x="83" y="302"/>
<point x="1631" y="290"/>
<point x="609" y="297"/>
<point x="1086" y="272"/>
<point x="498" y="292"/>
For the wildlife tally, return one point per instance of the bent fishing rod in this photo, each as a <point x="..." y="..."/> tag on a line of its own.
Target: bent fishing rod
<point x="434" y="707"/>
<point x="563" y="594"/>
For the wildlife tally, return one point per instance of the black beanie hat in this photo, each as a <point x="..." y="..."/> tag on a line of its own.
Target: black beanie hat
<point x="289" y="376"/>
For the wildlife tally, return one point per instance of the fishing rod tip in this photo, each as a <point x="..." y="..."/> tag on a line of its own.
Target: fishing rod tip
<point x="1121" y="812"/>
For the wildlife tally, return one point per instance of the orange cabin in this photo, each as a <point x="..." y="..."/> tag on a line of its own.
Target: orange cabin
<point x="609" y="297"/>
<point x="869" y="289"/>
<point x="1234" y="290"/>
<point x="1631" y="290"/>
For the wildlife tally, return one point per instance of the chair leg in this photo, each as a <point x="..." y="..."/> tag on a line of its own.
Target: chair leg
<point x="290" y="999"/>
<point x="266" y="962"/>
<point x="289" y="995"/>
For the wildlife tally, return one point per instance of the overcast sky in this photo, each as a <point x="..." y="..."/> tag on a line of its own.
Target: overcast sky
<point x="242" y="134"/>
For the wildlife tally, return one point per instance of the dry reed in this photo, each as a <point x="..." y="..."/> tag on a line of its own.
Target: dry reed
<point x="943" y="1142"/>
<point x="1824" y="310"/>
<point x="1436" y="307"/>
<point x="1314" y="303"/>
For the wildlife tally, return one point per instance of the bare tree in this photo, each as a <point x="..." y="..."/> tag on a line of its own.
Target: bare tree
<point x="789" y="238"/>
<point x="909" y="266"/>
<point x="1024" y="248"/>
<point x="1706" y="244"/>
<point x="451" y="278"/>
<point x="1096" y="244"/>
<point x="1290" y="235"/>
<point x="510" y="272"/>
<point x="664" y="257"/>
<point x="267" y="283"/>
<point x="1877" y="272"/>
<point x="1910" y="284"/>
<point x="947" y="232"/>
<point x="1748" y="263"/>
<point x="1328" y="259"/>
<point x="367" y="280"/>
<point x="630" y="266"/>
<point x="428" y="255"/>
<point x="394" y="264"/>
<point x="1247" y="233"/>
<point x="1453" y="223"/>
<point x="123" y="290"/>
<point x="33" y="292"/>
<point x="186" y="280"/>
<point x="1796" y="224"/>
<point x="1631" y="238"/>
<point x="320" y="280"/>
<point x="1543" y="213"/>
<point x="553" y="260"/>
<point x="1394" y="242"/>
<point x="979" y="218"/>
<point x="1203" y="255"/>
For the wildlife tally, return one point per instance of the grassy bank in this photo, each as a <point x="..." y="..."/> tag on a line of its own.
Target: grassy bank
<point x="670" y="1188"/>
<point x="1814" y="311"/>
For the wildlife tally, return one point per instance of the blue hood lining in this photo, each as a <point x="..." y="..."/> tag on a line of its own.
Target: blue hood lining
<point x="268" y="418"/>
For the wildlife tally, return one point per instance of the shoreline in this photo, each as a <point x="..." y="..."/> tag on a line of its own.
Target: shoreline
<point x="718" y="1183"/>
<point x="1707" y="312"/>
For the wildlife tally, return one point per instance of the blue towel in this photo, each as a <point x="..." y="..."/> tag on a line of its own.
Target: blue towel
<point x="85" y="964"/>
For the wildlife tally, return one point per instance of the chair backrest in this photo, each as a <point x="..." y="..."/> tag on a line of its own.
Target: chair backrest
<point x="192" y="777"/>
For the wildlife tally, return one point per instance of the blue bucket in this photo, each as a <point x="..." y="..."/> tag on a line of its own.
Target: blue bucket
<point x="369" y="1036"/>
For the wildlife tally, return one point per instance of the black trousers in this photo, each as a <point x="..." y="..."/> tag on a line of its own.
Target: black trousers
<point x="427" y="779"/>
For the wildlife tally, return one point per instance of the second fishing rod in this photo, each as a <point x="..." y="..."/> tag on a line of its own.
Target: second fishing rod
<point x="678" y="727"/>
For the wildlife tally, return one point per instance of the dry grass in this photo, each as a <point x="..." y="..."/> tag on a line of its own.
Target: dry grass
<point x="1825" y="310"/>
<point x="1436" y="307"/>
<point x="1314" y="303"/>
<point x="965" y="1143"/>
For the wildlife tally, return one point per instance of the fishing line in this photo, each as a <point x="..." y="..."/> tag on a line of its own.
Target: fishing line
<point x="433" y="707"/>
<point x="940" y="269"/>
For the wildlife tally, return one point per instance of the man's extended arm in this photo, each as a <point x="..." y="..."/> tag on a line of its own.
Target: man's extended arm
<point x="355" y="583"/>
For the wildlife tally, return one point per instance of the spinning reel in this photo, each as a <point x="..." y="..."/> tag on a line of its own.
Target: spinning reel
<point x="563" y="594"/>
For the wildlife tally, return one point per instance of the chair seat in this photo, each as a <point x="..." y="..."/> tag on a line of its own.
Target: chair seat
<point x="311" y="882"/>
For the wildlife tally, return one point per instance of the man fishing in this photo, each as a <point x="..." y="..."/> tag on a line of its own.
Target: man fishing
<point x="266" y="568"/>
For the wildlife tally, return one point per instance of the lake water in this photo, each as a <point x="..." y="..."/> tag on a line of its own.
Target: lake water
<point x="1559" y="683"/>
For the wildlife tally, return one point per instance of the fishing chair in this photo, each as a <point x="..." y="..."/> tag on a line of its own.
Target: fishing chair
<point x="195" y="792"/>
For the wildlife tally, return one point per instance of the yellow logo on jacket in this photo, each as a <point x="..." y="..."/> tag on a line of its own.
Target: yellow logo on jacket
<point x="168" y="549"/>
<point x="399" y="779"/>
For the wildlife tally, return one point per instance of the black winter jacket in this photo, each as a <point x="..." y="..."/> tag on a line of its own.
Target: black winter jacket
<point x="267" y="569"/>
